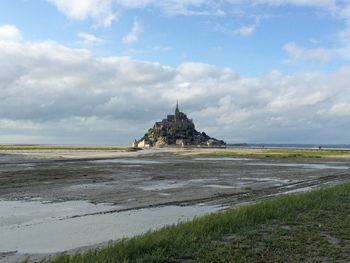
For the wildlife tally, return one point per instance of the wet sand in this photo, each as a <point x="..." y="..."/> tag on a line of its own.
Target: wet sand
<point x="119" y="182"/>
<point x="103" y="154"/>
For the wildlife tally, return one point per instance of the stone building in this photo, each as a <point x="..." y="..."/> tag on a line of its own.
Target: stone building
<point x="176" y="130"/>
<point x="142" y="144"/>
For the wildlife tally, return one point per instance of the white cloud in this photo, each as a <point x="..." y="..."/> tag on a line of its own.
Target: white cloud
<point x="156" y="49"/>
<point x="311" y="3"/>
<point x="176" y="7"/>
<point x="105" y="10"/>
<point x="338" y="110"/>
<point x="89" y="39"/>
<point x="345" y="12"/>
<point x="161" y="48"/>
<point x="245" y="31"/>
<point x="19" y="124"/>
<point x="133" y="35"/>
<point x="203" y="72"/>
<point x="207" y="7"/>
<point x="322" y="55"/>
<point x="10" y="33"/>
<point x="99" y="10"/>
<point x="316" y="54"/>
<point x="70" y="96"/>
<point x="341" y="50"/>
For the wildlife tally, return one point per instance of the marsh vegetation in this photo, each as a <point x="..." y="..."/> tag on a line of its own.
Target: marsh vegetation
<point x="280" y="153"/>
<point x="67" y="147"/>
<point x="313" y="226"/>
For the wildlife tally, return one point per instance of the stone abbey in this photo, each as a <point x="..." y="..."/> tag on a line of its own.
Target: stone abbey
<point x="176" y="130"/>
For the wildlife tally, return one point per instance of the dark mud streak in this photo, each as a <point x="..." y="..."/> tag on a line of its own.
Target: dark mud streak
<point x="50" y="179"/>
<point x="232" y="200"/>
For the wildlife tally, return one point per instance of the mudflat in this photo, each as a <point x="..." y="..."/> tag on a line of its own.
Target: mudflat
<point x="158" y="177"/>
<point x="84" y="185"/>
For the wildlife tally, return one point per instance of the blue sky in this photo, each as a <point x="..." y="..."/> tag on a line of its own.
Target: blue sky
<point x="261" y="70"/>
<point x="171" y="39"/>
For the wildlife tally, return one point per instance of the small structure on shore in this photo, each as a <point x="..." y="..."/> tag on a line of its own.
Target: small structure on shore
<point x="176" y="131"/>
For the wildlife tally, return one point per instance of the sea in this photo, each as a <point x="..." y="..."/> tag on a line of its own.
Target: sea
<point x="291" y="146"/>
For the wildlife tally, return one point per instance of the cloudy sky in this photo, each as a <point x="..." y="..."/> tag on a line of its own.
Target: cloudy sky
<point x="103" y="71"/>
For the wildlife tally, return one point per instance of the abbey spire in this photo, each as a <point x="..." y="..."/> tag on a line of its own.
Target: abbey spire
<point x="177" y="108"/>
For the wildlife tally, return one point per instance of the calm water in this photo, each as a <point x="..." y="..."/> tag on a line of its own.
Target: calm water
<point x="36" y="227"/>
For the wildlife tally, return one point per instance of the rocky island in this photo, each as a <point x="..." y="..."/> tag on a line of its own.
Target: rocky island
<point x="176" y="130"/>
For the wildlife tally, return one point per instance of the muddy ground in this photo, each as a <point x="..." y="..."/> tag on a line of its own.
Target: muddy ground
<point x="159" y="179"/>
<point x="162" y="179"/>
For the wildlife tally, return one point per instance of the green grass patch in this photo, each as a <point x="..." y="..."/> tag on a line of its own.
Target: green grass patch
<point x="311" y="227"/>
<point x="67" y="147"/>
<point x="281" y="153"/>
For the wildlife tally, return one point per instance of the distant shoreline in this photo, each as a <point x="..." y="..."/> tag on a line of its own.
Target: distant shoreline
<point x="290" y="146"/>
<point x="111" y="152"/>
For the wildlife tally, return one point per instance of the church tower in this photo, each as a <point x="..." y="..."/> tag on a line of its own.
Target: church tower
<point x="177" y="108"/>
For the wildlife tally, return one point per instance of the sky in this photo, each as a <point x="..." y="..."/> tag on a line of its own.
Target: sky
<point x="103" y="71"/>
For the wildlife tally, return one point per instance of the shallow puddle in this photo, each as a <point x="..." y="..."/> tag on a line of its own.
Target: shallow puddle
<point x="299" y="190"/>
<point x="163" y="186"/>
<point x="15" y="213"/>
<point x="92" y="186"/>
<point x="221" y="159"/>
<point x="127" y="161"/>
<point x="219" y="186"/>
<point x="265" y="179"/>
<point x="35" y="227"/>
<point x="304" y="165"/>
<point x="203" y="180"/>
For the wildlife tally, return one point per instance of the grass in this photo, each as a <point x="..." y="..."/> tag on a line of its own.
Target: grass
<point x="278" y="153"/>
<point x="282" y="153"/>
<point x="66" y="147"/>
<point x="311" y="227"/>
